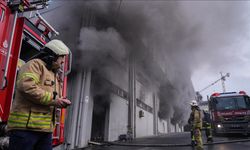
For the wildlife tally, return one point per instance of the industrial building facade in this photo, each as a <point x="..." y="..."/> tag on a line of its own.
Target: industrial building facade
<point x="104" y="117"/>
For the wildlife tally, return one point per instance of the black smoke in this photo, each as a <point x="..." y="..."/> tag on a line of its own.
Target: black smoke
<point x="169" y="40"/>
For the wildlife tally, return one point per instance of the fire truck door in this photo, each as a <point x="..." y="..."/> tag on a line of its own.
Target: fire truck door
<point x="3" y="40"/>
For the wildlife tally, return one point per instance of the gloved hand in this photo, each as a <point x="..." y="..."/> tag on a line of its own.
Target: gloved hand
<point x="61" y="102"/>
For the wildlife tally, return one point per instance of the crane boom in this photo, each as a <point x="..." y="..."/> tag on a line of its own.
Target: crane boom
<point x="222" y="78"/>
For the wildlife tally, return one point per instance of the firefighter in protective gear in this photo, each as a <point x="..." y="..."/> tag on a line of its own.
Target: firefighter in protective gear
<point x="207" y="126"/>
<point x="38" y="93"/>
<point x="195" y="120"/>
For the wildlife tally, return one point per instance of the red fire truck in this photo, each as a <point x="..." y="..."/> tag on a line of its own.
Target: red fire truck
<point x="20" y="40"/>
<point x="230" y="112"/>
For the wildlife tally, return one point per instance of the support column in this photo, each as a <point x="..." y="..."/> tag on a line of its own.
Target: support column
<point x="72" y="111"/>
<point x="86" y="112"/>
<point x="155" y="114"/>
<point x="79" y="118"/>
<point x="132" y="99"/>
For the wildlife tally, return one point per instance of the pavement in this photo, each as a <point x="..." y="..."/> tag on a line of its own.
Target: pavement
<point x="177" y="141"/>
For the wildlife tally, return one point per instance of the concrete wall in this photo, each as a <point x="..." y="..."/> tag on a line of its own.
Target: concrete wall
<point x="118" y="117"/>
<point x="171" y="127"/>
<point x="144" y="125"/>
<point x="162" y="126"/>
<point x="118" y="114"/>
<point x="79" y="114"/>
<point x="165" y="126"/>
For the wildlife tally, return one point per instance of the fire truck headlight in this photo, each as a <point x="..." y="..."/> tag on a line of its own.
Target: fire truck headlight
<point x="219" y="126"/>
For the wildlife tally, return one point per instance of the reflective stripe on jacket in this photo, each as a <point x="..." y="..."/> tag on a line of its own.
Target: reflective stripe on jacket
<point x="32" y="120"/>
<point x="31" y="108"/>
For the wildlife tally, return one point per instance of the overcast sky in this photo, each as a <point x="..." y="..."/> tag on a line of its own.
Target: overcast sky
<point x="227" y="30"/>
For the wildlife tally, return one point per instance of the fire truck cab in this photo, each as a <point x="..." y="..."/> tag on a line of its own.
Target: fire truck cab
<point x="20" y="40"/>
<point x="230" y="112"/>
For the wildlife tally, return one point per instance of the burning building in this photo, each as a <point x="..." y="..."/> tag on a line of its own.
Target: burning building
<point x="128" y="76"/>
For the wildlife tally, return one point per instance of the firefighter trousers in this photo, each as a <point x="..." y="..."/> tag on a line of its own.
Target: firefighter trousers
<point x="30" y="140"/>
<point x="198" y="139"/>
<point x="208" y="132"/>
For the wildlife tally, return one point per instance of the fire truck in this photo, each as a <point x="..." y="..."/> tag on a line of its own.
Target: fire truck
<point x="230" y="112"/>
<point x="20" y="40"/>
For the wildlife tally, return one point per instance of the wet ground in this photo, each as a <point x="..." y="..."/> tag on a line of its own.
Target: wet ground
<point x="179" y="141"/>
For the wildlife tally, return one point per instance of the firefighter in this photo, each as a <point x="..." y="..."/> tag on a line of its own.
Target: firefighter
<point x="38" y="93"/>
<point x="207" y="126"/>
<point x="195" y="120"/>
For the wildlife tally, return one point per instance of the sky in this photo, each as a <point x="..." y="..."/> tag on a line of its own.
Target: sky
<point x="229" y="25"/>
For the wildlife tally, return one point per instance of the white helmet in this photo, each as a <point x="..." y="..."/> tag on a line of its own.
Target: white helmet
<point x="194" y="103"/>
<point x="58" y="47"/>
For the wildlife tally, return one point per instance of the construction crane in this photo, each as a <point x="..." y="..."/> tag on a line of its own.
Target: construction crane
<point x="222" y="79"/>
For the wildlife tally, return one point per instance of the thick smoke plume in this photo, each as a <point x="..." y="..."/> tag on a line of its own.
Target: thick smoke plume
<point x="168" y="39"/>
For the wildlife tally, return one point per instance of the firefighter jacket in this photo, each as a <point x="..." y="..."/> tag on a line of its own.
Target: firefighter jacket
<point x="206" y="118"/>
<point x="31" y="108"/>
<point x="195" y="118"/>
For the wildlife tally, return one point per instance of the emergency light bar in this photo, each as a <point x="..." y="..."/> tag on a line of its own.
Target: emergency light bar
<point x="242" y="92"/>
<point x="228" y="94"/>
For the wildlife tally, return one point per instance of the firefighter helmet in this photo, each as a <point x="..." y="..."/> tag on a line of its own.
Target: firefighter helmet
<point x="194" y="103"/>
<point x="58" y="47"/>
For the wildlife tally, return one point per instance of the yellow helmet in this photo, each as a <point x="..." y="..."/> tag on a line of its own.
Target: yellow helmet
<point x="58" y="47"/>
